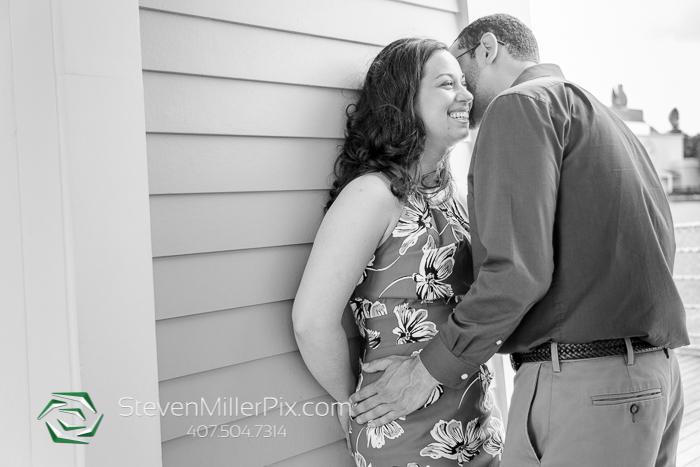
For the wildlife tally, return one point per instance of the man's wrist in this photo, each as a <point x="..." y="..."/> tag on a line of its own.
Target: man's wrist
<point x="444" y="366"/>
<point x="424" y="373"/>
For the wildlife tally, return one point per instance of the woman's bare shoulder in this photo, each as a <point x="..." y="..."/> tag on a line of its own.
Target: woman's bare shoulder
<point x="371" y="187"/>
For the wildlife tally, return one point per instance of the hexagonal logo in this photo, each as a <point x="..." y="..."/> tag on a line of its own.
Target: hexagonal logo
<point x="61" y="401"/>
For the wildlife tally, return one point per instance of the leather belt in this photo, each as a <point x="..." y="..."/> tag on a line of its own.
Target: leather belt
<point x="595" y="349"/>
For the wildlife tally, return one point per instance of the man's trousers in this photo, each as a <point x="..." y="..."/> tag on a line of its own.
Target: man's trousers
<point x="599" y="412"/>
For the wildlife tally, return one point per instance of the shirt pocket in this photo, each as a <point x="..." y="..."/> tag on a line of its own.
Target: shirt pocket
<point x="626" y="397"/>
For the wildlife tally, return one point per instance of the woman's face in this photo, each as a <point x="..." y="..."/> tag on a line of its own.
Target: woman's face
<point x="443" y="102"/>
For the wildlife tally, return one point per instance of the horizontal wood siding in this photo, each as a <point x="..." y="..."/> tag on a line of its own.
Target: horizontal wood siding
<point x="206" y="164"/>
<point x="202" y="223"/>
<point x="250" y="53"/>
<point x="303" y="434"/>
<point x="444" y="5"/>
<point x="245" y="108"/>
<point x="190" y="284"/>
<point x="320" y="456"/>
<point x="215" y="106"/>
<point x="207" y="341"/>
<point x="280" y="376"/>
<point x="376" y="22"/>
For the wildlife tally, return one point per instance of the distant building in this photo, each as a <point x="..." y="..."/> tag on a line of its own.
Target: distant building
<point x="665" y="150"/>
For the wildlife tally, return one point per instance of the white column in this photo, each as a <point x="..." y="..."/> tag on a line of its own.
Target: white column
<point x="76" y="290"/>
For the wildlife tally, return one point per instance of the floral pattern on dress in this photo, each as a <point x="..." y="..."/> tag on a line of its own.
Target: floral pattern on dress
<point x="435" y="267"/>
<point x="434" y="395"/>
<point x="413" y="325"/>
<point x="376" y="435"/>
<point x="414" y="222"/>
<point x="374" y="338"/>
<point x="453" y="443"/>
<point x="360" y="378"/>
<point x="363" y="276"/>
<point x="487" y="403"/>
<point x="494" y="444"/>
<point x="458" y="223"/>
<point x="367" y="308"/>
<point x="485" y="376"/>
<point x="360" y="460"/>
<point x="362" y="310"/>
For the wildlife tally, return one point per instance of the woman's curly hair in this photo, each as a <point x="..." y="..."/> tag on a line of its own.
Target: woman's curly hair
<point x="383" y="133"/>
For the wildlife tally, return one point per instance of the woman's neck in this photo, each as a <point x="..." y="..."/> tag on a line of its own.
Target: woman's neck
<point x="432" y="157"/>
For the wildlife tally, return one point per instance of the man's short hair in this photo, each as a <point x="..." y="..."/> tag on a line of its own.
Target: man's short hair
<point x="519" y="39"/>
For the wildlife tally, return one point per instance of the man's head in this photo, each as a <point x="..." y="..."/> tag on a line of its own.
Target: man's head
<point x="492" y="52"/>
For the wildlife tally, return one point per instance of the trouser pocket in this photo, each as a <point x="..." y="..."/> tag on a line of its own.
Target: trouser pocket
<point x="626" y="397"/>
<point x="518" y="450"/>
<point x="538" y="417"/>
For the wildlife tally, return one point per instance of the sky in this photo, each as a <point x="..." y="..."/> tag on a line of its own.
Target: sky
<point x="652" y="48"/>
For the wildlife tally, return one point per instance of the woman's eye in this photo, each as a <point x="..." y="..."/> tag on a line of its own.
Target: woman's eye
<point x="448" y="83"/>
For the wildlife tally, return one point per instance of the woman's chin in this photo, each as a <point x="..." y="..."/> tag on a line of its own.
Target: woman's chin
<point x="462" y="135"/>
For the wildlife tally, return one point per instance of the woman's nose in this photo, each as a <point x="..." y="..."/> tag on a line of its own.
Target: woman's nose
<point x="463" y="95"/>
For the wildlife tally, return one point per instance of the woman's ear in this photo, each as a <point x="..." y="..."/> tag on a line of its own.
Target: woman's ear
<point x="491" y="45"/>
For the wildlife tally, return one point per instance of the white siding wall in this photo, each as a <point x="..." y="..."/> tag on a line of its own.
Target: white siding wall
<point x="244" y="110"/>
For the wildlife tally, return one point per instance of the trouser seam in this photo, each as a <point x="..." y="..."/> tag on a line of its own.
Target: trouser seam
<point x="549" y="421"/>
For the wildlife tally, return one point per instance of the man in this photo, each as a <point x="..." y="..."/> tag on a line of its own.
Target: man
<point x="573" y="251"/>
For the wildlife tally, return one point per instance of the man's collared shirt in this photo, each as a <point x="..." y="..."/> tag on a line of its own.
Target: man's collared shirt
<point x="572" y="235"/>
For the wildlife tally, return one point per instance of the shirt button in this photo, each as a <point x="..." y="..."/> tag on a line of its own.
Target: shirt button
<point x="465" y="376"/>
<point x="499" y="342"/>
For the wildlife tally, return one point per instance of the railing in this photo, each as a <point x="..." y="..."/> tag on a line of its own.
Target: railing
<point x="687" y="277"/>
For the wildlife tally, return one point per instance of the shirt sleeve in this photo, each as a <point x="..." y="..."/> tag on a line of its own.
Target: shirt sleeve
<point x="515" y="175"/>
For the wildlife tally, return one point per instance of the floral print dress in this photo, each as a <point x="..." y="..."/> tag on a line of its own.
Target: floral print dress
<point x="409" y="288"/>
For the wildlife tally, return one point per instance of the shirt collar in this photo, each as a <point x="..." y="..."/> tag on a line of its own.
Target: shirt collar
<point x="539" y="71"/>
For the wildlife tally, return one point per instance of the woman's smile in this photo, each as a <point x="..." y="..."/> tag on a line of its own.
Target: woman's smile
<point x="460" y="115"/>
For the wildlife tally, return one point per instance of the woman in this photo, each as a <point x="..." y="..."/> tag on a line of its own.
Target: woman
<point x="393" y="250"/>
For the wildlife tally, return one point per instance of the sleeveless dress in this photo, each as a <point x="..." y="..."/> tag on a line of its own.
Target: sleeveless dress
<point x="408" y="289"/>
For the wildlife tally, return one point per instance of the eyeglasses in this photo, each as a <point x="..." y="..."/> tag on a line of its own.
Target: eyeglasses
<point x="476" y="47"/>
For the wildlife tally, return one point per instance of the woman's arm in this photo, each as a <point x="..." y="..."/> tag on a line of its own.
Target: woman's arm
<point x="360" y="218"/>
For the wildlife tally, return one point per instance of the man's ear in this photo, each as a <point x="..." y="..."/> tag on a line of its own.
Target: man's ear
<point x="491" y="44"/>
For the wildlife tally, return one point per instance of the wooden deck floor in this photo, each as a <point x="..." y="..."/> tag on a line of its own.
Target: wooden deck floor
<point x="689" y="444"/>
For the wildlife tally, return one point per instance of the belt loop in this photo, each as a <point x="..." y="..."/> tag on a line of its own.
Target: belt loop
<point x="630" y="351"/>
<point x="555" y="357"/>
